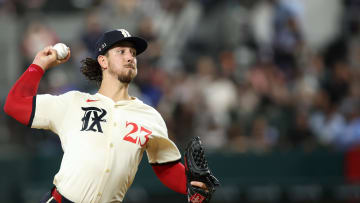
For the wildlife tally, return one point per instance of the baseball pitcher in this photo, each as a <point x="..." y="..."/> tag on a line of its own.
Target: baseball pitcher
<point x="104" y="135"/>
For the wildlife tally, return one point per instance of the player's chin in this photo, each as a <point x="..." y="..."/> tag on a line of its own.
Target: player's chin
<point x="127" y="77"/>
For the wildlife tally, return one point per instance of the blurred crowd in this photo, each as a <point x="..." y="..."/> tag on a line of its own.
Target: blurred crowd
<point x="242" y="75"/>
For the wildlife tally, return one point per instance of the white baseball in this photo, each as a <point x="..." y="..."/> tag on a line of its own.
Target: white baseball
<point x="62" y="50"/>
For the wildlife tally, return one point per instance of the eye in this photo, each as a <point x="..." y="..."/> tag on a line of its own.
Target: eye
<point x="121" y="51"/>
<point x="133" y="52"/>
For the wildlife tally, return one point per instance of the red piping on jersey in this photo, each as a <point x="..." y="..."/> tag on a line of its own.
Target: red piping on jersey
<point x="57" y="196"/>
<point x="21" y="100"/>
<point x="172" y="175"/>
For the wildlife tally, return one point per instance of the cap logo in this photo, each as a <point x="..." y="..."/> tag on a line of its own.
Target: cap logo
<point x="124" y="32"/>
<point x="103" y="45"/>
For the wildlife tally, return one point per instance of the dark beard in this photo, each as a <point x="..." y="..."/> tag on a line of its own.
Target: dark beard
<point x="126" y="78"/>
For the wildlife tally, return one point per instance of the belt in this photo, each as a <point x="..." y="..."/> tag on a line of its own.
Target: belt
<point x="58" y="197"/>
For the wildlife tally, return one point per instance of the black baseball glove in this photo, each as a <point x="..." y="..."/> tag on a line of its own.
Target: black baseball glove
<point x="197" y="169"/>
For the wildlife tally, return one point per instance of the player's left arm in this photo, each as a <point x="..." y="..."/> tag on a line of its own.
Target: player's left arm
<point x="173" y="176"/>
<point x="164" y="157"/>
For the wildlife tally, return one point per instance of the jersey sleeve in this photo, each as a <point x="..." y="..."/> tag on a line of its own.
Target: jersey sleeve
<point x="160" y="149"/>
<point x="21" y="98"/>
<point x="50" y="111"/>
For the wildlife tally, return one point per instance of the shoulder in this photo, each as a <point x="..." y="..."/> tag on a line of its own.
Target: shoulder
<point x="76" y="94"/>
<point x="149" y="110"/>
<point x="66" y="97"/>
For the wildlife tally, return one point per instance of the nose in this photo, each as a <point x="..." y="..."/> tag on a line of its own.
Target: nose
<point x="130" y="57"/>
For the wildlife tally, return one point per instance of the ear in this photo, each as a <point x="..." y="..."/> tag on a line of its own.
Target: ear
<point x="102" y="60"/>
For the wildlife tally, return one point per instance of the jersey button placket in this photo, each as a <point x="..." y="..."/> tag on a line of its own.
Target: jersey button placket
<point x="109" y="158"/>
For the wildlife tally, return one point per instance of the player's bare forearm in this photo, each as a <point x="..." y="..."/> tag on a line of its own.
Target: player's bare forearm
<point x="47" y="58"/>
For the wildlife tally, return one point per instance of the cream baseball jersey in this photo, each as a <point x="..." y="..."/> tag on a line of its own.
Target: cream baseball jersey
<point x="103" y="142"/>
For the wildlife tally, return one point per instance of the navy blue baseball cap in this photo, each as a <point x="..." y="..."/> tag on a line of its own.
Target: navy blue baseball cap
<point x="110" y="38"/>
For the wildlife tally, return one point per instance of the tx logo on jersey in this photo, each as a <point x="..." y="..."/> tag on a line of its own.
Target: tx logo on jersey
<point x="92" y="119"/>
